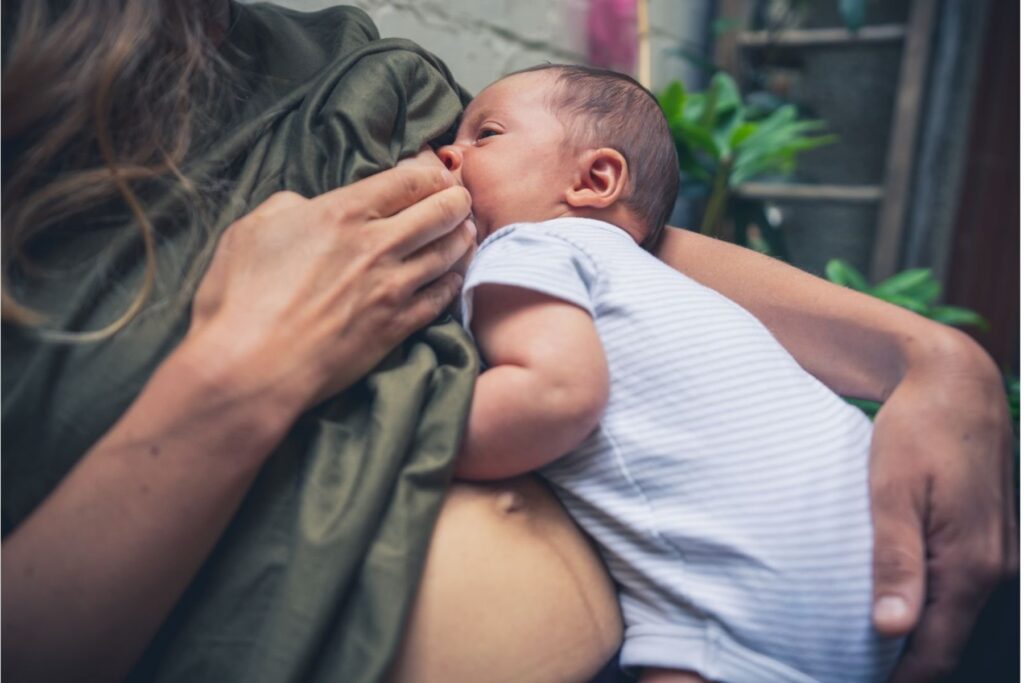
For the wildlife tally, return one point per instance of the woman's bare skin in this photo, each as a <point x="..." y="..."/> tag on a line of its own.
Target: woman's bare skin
<point x="512" y="591"/>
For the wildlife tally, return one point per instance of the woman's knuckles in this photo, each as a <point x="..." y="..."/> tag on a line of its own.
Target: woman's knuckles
<point x="413" y="183"/>
<point x="339" y="214"/>
<point x="393" y="294"/>
<point x="280" y="201"/>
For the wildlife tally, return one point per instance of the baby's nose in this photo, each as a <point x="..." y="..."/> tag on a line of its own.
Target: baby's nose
<point x="451" y="157"/>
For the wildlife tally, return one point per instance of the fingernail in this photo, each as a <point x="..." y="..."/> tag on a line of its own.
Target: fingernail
<point x="891" y="608"/>
<point x="472" y="227"/>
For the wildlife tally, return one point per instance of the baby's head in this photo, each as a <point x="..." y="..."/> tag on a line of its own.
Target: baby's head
<point x="559" y="140"/>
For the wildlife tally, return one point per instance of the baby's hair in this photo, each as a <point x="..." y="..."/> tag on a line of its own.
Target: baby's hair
<point x="611" y="109"/>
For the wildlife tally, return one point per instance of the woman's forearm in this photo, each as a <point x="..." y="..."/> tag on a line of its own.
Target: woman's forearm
<point x="89" y="577"/>
<point x="856" y="344"/>
<point x="301" y="299"/>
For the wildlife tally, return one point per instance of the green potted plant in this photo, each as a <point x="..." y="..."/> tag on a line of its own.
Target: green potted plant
<point x="723" y="142"/>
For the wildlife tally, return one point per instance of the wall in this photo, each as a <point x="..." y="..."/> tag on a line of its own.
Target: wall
<point x="481" y="40"/>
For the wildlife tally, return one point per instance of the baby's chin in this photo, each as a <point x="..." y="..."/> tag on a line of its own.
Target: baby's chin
<point x="487" y="224"/>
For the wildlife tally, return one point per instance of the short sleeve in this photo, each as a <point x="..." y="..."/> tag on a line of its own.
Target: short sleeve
<point x="531" y="257"/>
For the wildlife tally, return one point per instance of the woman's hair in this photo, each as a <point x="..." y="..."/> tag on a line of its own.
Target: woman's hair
<point x="98" y="101"/>
<point x="611" y="109"/>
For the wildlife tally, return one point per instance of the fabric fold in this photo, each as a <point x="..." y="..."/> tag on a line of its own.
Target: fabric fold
<point x="315" y="575"/>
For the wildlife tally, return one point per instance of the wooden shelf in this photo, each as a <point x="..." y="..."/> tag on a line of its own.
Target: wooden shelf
<point x="882" y="33"/>
<point x="844" y="194"/>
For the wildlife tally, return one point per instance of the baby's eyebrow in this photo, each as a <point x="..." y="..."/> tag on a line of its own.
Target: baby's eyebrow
<point x="474" y="120"/>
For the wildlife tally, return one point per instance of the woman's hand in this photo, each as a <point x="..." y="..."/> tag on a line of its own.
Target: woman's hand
<point x="301" y="299"/>
<point x="314" y="292"/>
<point x="943" y="502"/>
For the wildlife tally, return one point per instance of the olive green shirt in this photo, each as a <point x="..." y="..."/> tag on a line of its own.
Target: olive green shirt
<point x="314" y="577"/>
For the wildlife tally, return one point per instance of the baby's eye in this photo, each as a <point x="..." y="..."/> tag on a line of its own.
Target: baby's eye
<point x="486" y="133"/>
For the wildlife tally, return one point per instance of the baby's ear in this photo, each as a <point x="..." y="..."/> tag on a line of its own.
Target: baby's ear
<point x="602" y="178"/>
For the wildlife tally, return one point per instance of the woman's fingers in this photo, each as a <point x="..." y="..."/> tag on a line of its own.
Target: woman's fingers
<point x="427" y="220"/>
<point x="409" y="206"/>
<point x="425" y="157"/>
<point x="378" y="250"/>
<point x="429" y="302"/>
<point x="899" y="562"/>
<point x="439" y="256"/>
<point x="384" y="194"/>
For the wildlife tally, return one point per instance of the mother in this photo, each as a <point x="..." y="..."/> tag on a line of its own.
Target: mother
<point x="228" y="420"/>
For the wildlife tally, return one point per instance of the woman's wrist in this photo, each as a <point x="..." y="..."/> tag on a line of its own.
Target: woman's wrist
<point x="944" y="354"/>
<point x="231" y="396"/>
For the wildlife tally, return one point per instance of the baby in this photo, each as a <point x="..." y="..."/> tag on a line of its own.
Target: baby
<point x="726" y="487"/>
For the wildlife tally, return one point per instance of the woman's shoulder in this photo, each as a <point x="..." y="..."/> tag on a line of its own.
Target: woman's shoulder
<point x="297" y="43"/>
<point x="328" y="28"/>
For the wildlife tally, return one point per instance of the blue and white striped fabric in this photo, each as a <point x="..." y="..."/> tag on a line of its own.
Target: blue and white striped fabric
<point x="726" y="487"/>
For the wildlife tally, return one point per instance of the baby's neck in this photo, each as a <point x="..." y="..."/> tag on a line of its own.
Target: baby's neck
<point x="618" y="215"/>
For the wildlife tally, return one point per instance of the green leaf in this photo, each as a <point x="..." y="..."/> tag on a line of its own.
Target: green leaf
<point x="695" y="137"/>
<point x="842" y="273"/>
<point x="906" y="302"/>
<point x="710" y="110"/>
<point x="870" y="408"/>
<point x="804" y="144"/>
<point x="1013" y="397"/>
<point x="905" y="283"/>
<point x="727" y="96"/>
<point x="672" y="99"/>
<point x="927" y="292"/>
<point x="724" y="132"/>
<point x="693" y="107"/>
<point x="954" y="315"/>
<point x="852" y="12"/>
<point x="741" y="134"/>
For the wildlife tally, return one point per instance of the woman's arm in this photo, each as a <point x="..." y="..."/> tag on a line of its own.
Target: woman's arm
<point x="301" y="299"/>
<point x="941" y="439"/>
<point x="90" y="575"/>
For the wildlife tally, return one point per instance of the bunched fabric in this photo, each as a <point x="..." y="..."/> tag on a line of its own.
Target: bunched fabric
<point x="313" y="579"/>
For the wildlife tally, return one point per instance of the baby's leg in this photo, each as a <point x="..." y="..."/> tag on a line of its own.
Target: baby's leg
<point x="671" y="676"/>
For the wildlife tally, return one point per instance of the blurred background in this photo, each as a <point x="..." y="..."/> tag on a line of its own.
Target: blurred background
<point x="913" y="162"/>
<point x="872" y="142"/>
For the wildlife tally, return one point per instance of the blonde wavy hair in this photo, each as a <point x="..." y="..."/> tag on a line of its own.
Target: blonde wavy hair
<point x="98" y="98"/>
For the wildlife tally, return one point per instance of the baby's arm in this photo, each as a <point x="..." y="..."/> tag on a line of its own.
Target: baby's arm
<point x="545" y="389"/>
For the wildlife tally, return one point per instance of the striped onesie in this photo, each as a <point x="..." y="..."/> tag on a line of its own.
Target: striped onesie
<point x="725" y="486"/>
